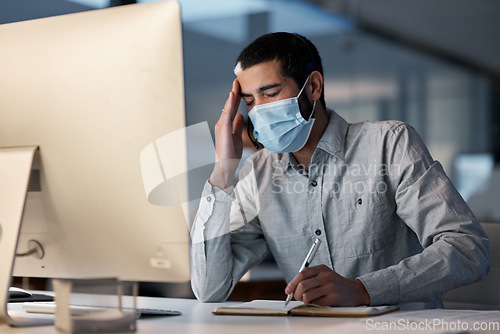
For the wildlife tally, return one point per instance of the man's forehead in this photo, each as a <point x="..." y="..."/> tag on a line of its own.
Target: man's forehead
<point x="274" y="64"/>
<point x="257" y="77"/>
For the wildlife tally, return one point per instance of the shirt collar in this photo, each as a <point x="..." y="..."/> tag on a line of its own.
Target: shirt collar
<point x="283" y="160"/>
<point x="332" y="141"/>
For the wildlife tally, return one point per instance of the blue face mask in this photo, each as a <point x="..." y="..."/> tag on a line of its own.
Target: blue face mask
<point x="279" y="125"/>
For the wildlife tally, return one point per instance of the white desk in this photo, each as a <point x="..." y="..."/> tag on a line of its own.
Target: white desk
<point x="198" y="319"/>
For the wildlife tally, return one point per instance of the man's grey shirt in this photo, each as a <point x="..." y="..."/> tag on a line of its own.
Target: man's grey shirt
<point x="385" y="211"/>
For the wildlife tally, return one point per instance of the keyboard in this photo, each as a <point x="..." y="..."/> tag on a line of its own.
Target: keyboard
<point x="17" y="295"/>
<point x="50" y="308"/>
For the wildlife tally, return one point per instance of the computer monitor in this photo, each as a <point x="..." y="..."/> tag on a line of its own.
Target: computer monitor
<point x="91" y="91"/>
<point x="472" y="173"/>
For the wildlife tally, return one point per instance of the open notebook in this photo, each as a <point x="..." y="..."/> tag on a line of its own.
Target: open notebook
<point x="277" y="308"/>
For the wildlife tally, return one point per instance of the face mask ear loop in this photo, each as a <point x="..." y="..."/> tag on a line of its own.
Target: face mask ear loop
<point x="312" y="112"/>
<point x="255" y="143"/>
<point x="304" y="86"/>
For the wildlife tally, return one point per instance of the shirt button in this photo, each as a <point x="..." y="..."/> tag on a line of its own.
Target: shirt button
<point x="314" y="183"/>
<point x="318" y="232"/>
<point x="209" y="199"/>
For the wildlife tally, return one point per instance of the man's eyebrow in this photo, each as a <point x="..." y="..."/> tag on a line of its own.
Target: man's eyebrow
<point x="262" y="89"/>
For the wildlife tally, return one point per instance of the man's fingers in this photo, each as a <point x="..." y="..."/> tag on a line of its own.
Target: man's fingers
<point x="303" y="275"/>
<point x="232" y="103"/>
<point x="228" y="111"/>
<point x="239" y="125"/>
<point x="292" y="285"/>
<point x="235" y="97"/>
<point x="236" y="87"/>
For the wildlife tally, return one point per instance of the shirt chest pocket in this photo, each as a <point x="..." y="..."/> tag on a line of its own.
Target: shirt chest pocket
<point x="360" y="225"/>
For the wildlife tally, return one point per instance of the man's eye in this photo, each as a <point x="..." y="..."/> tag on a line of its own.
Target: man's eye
<point x="249" y="103"/>
<point x="273" y="94"/>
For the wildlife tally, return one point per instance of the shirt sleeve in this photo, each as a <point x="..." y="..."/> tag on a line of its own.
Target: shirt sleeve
<point x="455" y="246"/>
<point x="226" y="240"/>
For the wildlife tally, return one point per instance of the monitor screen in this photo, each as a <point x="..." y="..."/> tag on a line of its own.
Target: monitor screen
<point x="93" y="91"/>
<point x="472" y="173"/>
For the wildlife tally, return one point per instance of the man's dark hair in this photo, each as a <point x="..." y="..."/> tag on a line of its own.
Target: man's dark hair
<point x="297" y="55"/>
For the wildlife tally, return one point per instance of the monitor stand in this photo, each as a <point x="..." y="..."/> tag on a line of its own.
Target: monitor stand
<point x="15" y="170"/>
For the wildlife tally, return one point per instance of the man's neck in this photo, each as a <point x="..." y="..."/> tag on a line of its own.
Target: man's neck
<point x="304" y="155"/>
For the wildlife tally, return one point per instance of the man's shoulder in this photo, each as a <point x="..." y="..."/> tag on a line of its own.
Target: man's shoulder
<point x="390" y="126"/>
<point x="380" y="130"/>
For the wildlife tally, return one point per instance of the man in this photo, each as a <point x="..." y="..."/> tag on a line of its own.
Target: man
<point x="393" y="228"/>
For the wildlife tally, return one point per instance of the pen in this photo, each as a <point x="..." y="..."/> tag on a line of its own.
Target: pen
<point x="306" y="263"/>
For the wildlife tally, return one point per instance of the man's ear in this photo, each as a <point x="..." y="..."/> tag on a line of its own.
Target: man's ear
<point x="316" y="85"/>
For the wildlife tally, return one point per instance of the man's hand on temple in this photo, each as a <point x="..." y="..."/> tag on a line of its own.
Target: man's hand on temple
<point x="228" y="141"/>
